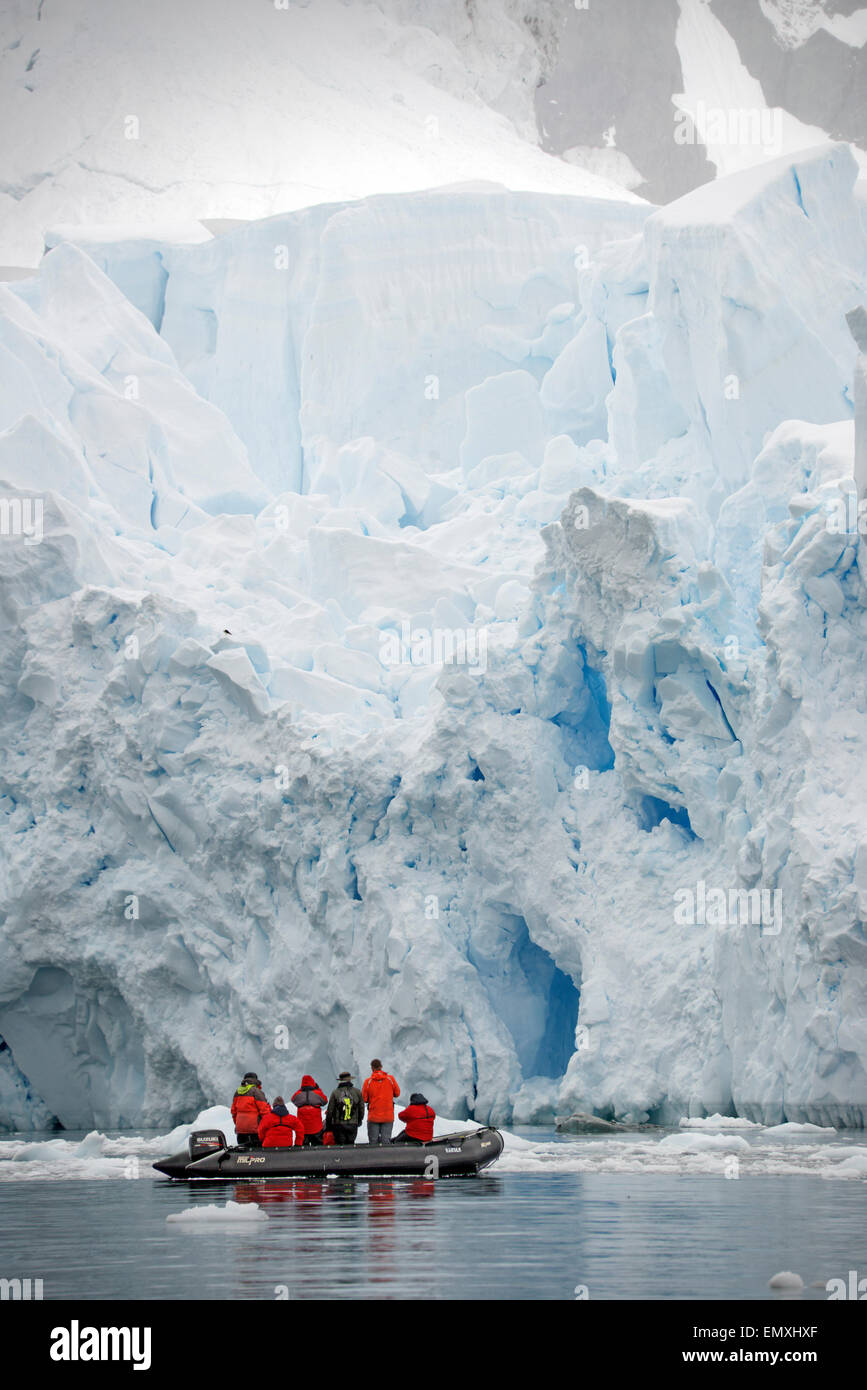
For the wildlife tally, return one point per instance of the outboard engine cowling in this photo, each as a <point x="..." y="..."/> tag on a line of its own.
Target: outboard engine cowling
<point x="205" y="1141"/>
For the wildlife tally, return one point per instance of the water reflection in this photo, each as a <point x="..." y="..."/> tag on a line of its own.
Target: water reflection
<point x="522" y="1237"/>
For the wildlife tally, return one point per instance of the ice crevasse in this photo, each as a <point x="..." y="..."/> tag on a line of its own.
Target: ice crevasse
<point x="255" y="490"/>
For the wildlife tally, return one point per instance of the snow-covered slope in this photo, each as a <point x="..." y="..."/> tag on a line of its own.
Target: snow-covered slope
<point x="249" y="819"/>
<point x="165" y="114"/>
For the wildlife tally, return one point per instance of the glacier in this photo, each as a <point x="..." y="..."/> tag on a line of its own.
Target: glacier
<point x="408" y="605"/>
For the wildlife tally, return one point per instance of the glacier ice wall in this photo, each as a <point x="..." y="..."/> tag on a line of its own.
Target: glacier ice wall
<point x="251" y="817"/>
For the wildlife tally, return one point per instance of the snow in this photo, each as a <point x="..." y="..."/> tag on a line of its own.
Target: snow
<point x="795" y="21"/>
<point x="853" y="1166"/>
<point x="699" y="1143"/>
<point x="252" y="816"/>
<point x="725" y="102"/>
<point x="339" y="101"/>
<point x="791" y="1128"/>
<point x="719" y="1122"/>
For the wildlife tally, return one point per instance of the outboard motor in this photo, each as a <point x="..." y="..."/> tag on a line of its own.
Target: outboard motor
<point x="205" y="1141"/>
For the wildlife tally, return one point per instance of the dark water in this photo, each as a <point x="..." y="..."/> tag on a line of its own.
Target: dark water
<point x="520" y="1236"/>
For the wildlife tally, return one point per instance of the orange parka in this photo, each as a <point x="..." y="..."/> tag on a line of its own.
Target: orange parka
<point x="378" y="1093"/>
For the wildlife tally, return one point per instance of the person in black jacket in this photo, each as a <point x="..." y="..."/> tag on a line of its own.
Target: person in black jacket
<point x="345" y="1110"/>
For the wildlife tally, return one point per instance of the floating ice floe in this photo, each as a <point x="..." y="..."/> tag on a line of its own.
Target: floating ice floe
<point x="718" y="1122"/>
<point x="214" y="1215"/>
<point x="790" y="1127"/>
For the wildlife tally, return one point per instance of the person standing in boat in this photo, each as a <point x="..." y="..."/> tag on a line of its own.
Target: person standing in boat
<point x="345" y="1110"/>
<point x="418" y="1119"/>
<point x="378" y="1093"/>
<point x="248" y="1107"/>
<point x="308" y="1101"/>
<point x="279" y="1129"/>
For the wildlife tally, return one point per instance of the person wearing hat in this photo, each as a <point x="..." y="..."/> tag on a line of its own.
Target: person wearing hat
<point x="345" y="1110"/>
<point x="248" y="1107"/>
<point x="418" y="1117"/>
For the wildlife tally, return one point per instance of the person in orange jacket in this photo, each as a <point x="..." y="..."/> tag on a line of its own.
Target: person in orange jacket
<point x="418" y="1118"/>
<point x="378" y="1093"/>
<point x="278" y="1128"/>
<point x="248" y="1107"/>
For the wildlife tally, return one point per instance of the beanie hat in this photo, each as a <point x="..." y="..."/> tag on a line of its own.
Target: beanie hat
<point x="417" y="1098"/>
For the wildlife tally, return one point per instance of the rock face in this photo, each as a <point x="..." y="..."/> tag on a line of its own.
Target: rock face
<point x="517" y="736"/>
<point x="665" y="95"/>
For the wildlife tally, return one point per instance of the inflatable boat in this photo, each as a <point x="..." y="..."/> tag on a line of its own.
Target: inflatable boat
<point x="208" y="1156"/>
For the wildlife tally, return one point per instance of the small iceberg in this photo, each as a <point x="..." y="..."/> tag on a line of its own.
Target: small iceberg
<point x="232" y="1211"/>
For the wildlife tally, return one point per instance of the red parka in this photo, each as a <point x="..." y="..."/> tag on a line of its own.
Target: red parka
<point x="308" y="1101"/>
<point x="419" y="1121"/>
<point x="248" y="1107"/>
<point x="276" y="1130"/>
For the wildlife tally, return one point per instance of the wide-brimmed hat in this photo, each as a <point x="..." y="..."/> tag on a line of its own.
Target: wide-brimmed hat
<point x="346" y="1076"/>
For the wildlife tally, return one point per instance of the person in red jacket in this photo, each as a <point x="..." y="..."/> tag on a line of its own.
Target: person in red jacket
<point x="248" y="1107"/>
<point x="278" y="1128"/>
<point x="378" y="1093"/>
<point x="419" y="1120"/>
<point x="308" y="1101"/>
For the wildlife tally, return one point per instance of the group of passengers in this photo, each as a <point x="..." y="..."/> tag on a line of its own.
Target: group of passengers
<point x="258" y="1124"/>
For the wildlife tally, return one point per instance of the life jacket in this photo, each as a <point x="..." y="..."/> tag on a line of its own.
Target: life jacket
<point x="379" y="1091"/>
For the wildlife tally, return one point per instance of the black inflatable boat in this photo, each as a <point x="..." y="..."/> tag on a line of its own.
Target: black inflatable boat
<point x="452" y="1155"/>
